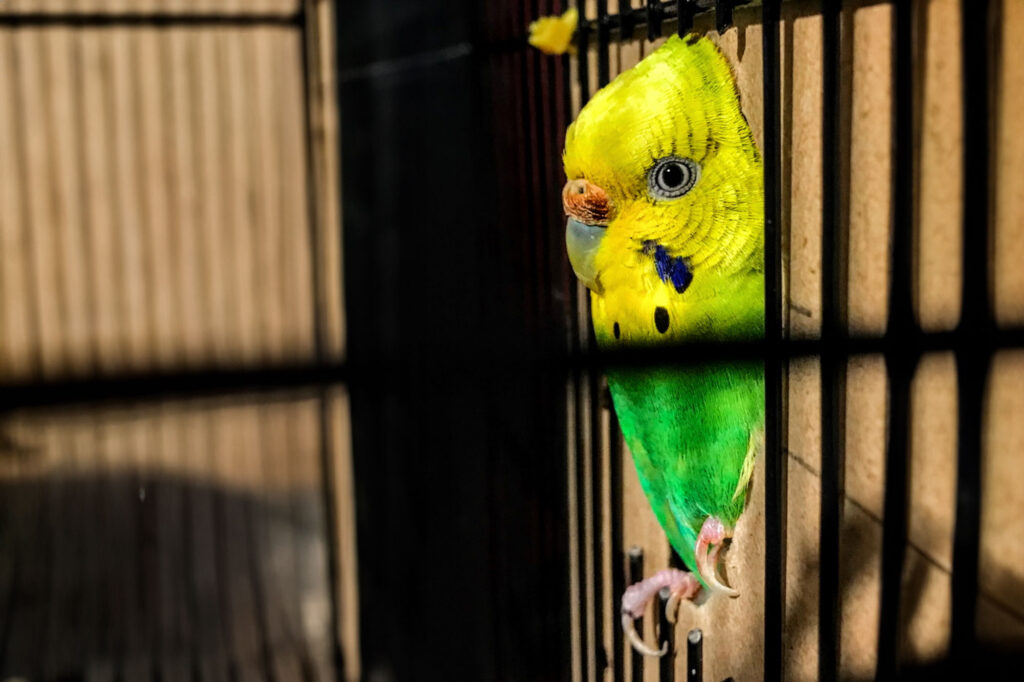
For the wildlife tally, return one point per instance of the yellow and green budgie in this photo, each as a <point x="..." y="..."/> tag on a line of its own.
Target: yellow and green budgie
<point x="665" y="227"/>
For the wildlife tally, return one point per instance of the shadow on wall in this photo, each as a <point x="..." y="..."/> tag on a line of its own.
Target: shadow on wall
<point x="861" y="543"/>
<point x="123" y="576"/>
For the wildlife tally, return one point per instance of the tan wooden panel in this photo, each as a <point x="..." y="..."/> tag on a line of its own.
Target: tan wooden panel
<point x="801" y="215"/>
<point x="212" y="509"/>
<point x="933" y="454"/>
<point x="155" y="206"/>
<point x="1009" y="169"/>
<point x="15" y="321"/>
<point x="190" y="457"/>
<point x="868" y="47"/>
<point x="1002" y="510"/>
<point x="325" y="130"/>
<point x="939" y="207"/>
<point x="339" y="434"/>
<point x="801" y="170"/>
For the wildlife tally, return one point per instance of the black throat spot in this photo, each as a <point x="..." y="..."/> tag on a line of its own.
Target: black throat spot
<point x="661" y="319"/>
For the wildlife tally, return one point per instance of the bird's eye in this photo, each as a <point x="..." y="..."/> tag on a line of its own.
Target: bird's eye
<point x="672" y="177"/>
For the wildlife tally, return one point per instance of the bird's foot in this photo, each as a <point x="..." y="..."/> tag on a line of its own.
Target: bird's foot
<point x="712" y="535"/>
<point x="681" y="584"/>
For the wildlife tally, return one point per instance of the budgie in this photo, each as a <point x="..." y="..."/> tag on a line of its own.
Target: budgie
<point x="665" y="226"/>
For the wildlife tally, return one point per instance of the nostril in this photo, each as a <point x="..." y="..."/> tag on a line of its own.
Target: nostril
<point x="587" y="202"/>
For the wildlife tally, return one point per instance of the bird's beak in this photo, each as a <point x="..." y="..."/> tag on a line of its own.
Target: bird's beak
<point x="582" y="242"/>
<point x="588" y="211"/>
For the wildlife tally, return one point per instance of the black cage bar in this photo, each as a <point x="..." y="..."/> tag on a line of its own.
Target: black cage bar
<point x="832" y="367"/>
<point x="972" y="361"/>
<point x="899" y="366"/>
<point x="775" y="455"/>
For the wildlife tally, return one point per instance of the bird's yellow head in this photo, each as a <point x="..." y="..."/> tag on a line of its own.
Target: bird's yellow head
<point x="663" y="175"/>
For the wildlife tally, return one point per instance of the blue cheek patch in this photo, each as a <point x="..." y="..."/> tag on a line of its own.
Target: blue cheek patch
<point x="675" y="271"/>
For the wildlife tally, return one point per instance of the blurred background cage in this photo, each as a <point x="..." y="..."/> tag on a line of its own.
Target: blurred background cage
<point x="238" y="441"/>
<point x="169" y="254"/>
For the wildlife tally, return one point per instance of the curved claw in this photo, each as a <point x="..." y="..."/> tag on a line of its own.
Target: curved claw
<point x="638" y="643"/>
<point x="672" y="607"/>
<point x="712" y="534"/>
<point x="635" y="599"/>
<point x="685" y="586"/>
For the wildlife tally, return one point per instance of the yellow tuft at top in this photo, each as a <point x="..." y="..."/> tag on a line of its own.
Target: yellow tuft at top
<point x="553" y="35"/>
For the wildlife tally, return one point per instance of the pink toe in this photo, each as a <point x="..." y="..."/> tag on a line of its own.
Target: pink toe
<point x="713" y="531"/>
<point x="637" y="596"/>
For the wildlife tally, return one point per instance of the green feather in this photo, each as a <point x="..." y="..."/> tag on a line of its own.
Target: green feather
<point x="690" y="432"/>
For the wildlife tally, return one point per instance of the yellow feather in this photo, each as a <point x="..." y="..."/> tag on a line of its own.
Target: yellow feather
<point x="680" y="101"/>
<point x="553" y="35"/>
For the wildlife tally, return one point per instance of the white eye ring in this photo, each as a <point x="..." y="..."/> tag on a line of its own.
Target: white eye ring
<point x="672" y="177"/>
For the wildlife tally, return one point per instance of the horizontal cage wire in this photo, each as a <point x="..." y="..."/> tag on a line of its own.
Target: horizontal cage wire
<point x="973" y="342"/>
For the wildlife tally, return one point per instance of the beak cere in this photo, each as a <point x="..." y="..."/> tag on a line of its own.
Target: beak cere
<point x="586" y="202"/>
<point x="589" y="210"/>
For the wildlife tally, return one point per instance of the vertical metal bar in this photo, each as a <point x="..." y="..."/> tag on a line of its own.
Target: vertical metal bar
<point x="579" y="378"/>
<point x="618" y="580"/>
<point x="775" y="463"/>
<point x="626" y="22"/>
<point x="602" y="43"/>
<point x="597" y="390"/>
<point x="972" y="365"/>
<point x="575" y="334"/>
<point x="723" y="15"/>
<point x="309" y="42"/>
<point x="636" y="574"/>
<point x="684" y="16"/>
<point x="597" y="397"/>
<point x="975" y="321"/>
<point x="666" y="664"/>
<point x="900" y="364"/>
<point x="617" y="553"/>
<point x="695" y="656"/>
<point x="593" y="453"/>
<point x="582" y="36"/>
<point x="534" y="74"/>
<point x="597" y="511"/>
<point x="653" y="20"/>
<point x="832" y="365"/>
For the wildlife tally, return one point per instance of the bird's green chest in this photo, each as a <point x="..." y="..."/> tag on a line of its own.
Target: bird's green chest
<point x="691" y="427"/>
<point x="694" y="434"/>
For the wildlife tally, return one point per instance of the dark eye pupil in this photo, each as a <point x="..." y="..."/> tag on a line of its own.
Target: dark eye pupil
<point x="672" y="175"/>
